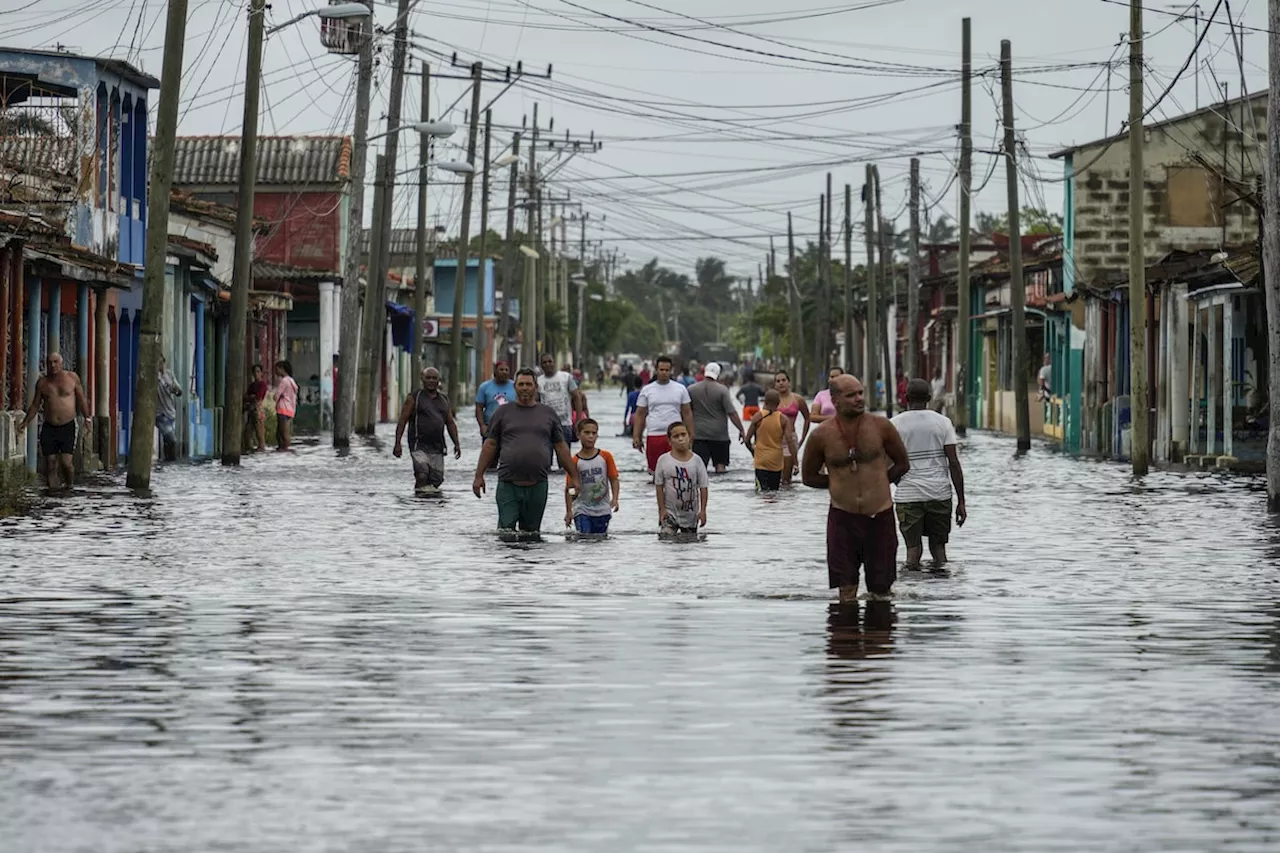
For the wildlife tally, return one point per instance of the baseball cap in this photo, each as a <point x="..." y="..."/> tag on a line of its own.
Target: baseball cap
<point x="712" y="370"/>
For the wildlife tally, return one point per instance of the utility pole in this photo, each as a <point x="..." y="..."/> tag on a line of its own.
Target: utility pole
<point x="793" y="296"/>
<point x="464" y="243"/>
<point x="370" y="341"/>
<point x="578" y="356"/>
<point x="1271" y="258"/>
<point x="819" y="285"/>
<point x="420" y="269"/>
<point x="242" y="269"/>
<point x="1139" y="407"/>
<point x="509" y="254"/>
<point x="888" y="336"/>
<point x="480" y="344"/>
<point x="380" y="254"/>
<point x="913" y="276"/>
<point x="349" y="328"/>
<point x="873" y="303"/>
<point x="533" y="291"/>
<point x="1017" y="287"/>
<point x="828" y="339"/>
<point x="963" y="366"/>
<point x="142" y="437"/>
<point x="850" y="359"/>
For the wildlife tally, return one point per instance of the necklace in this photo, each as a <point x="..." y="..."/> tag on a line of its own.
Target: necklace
<point x="853" y="451"/>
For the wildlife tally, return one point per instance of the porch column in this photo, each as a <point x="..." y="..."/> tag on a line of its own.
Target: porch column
<point x="1197" y="379"/>
<point x="1228" y="395"/>
<point x="33" y="359"/>
<point x="335" y="311"/>
<point x="1179" y="407"/>
<point x="326" y="344"/>
<point x="83" y="366"/>
<point x="5" y="298"/>
<point x="200" y="355"/>
<point x="1215" y="380"/>
<point x="55" y="319"/>
<point x="17" y="286"/>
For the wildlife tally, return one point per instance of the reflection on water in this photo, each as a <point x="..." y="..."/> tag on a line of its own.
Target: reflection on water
<point x="300" y="655"/>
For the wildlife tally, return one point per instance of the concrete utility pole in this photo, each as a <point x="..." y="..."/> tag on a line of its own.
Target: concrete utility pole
<point x="142" y="437"/>
<point x="828" y="288"/>
<point x="963" y="367"/>
<point x="819" y="285"/>
<point x="242" y="269"/>
<point x="509" y="253"/>
<point x="1271" y="257"/>
<point x="793" y="296"/>
<point x="349" y="329"/>
<point x="850" y="350"/>
<point x="873" y="303"/>
<point x="420" y="270"/>
<point x="464" y="243"/>
<point x="579" y="360"/>
<point x="1139" y="407"/>
<point x="380" y="253"/>
<point x="1017" y="288"/>
<point x="480" y="343"/>
<point x="888" y="338"/>
<point x="913" y="277"/>
<point x="370" y="340"/>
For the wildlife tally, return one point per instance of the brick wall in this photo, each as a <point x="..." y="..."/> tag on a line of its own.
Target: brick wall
<point x="1186" y="207"/>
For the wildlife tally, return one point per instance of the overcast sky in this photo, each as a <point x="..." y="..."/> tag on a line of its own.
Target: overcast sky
<point x="717" y="116"/>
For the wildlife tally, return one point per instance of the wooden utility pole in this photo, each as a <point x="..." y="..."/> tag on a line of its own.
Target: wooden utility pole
<point x="370" y="340"/>
<point x="349" y="329"/>
<point x="420" y="271"/>
<point x="242" y="263"/>
<point x="509" y="253"/>
<point x="913" y="277"/>
<point x="1017" y="288"/>
<point x="960" y="412"/>
<point x="1271" y="258"/>
<point x="850" y="350"/>
<point x="480" y="344"/>
<point x="873" y="302"/>
<point x="793" y="296"/>
<point x="887" y="332"/>
<point x="819" y="299"/>
<point x="457" y="363"/>
<point x="142" y="436"/>
<point x="1139" y="408"/>
<point x="827" y="287"/>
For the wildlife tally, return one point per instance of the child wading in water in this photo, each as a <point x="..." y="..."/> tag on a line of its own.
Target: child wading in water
<point x="589" y="508"/>
<point x="681" y="481"/>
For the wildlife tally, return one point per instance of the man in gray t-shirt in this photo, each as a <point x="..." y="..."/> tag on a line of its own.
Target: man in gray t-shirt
<point x="713" y="409"/>
<point x="518" y="438"/>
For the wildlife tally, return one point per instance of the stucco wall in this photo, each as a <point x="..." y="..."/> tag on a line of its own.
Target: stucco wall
<point x="1101" y="192"/>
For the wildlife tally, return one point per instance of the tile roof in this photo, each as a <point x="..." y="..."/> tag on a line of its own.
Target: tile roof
<point x="46" y="155"/>
<point x="215" y="160"/>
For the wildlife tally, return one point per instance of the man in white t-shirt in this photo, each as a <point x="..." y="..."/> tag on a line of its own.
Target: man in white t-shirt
<point x="660" y="404"/>
<point x="1044" y="379"/>
<point x="924" y="495"/>
<point x="559" y="390"/>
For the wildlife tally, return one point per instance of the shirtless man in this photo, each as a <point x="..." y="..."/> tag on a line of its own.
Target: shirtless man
<point x="61" y="394"/>
<point x="863" y="454"/>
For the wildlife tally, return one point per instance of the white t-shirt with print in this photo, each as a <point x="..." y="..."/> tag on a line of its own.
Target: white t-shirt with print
<point x="925" y="434"/>
<point x="682" y="484"/>
<point x="663" y="403"/>
<point x="557" y="390"/>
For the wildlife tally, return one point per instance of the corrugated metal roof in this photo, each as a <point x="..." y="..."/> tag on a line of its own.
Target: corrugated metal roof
<point x="215" y="160"/>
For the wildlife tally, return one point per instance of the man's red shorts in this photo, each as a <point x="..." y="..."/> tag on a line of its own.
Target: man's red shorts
<point x="655" y="446"/>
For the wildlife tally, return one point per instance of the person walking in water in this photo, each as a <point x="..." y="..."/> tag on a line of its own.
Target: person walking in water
<point x="167" y="392"/>
<point x="767" y="437"/>
<point x="254" y="415"/>
<point x="682" y="485"/>
<point x="713" y="409"/>
<point x="59" y="394"/>
<point x="863" y="454"/>
<point x="431" y="415"/>
<point x="286" y="404"/>
<point x="519" y="436"/>
<point x="923" y="498"/>
<point x="793" y="407"/>
<point x="493" y="393"/>
<point x="591" y="506"/>
<point x="749" y="395"/>
<point x="660" y="404"/>
<point x="823" y="409"/>
<point x="559" y="390"/>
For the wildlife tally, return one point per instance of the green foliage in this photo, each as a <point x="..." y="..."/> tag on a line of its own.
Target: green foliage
<point x="15" y="489"/>
<point x="1033" y="220"/>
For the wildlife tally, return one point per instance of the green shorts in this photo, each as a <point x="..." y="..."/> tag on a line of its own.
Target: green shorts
<point x="521" y="507"/>
<point x="925" y="518"/>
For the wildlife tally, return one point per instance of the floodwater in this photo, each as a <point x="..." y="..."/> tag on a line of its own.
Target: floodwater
<point x="301" y="656"/>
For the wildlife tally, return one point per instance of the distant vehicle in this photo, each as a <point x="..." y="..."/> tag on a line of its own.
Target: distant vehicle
<point x="718" y="352"/>
<point x="632" y="359"/>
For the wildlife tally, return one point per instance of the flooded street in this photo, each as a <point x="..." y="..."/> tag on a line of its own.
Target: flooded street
<point x="300" y="655"/>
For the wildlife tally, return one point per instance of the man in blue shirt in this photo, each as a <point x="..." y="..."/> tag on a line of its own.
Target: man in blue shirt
<point x="498" y="391"/>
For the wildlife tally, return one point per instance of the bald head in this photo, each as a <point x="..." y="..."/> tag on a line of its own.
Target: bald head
<point x="430" y="378"/>
<point x="848" y="395"/>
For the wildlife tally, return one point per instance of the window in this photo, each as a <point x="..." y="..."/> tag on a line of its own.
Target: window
<point x="1194" y="197"/>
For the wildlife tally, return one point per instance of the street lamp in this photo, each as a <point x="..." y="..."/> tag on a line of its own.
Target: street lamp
<point x="457" y="167"/>
<point x="505" y="160"/>
<point x="437" y="129"/>
<point x="338" y="11"/>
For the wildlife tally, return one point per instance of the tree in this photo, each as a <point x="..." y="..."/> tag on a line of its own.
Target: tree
<point x="1034" y="220"/>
